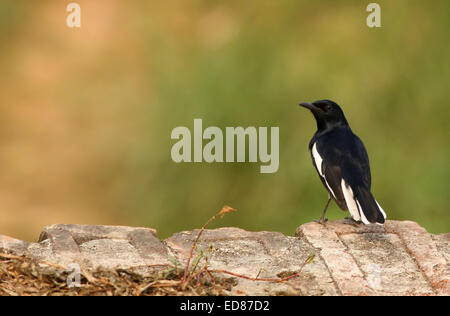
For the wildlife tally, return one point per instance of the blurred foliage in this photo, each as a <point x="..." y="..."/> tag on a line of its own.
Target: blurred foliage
<point x="87" y="114"/>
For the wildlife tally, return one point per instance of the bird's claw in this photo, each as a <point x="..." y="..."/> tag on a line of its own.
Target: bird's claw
<point x="352" y="221"/>
<point x="321" y="221"/>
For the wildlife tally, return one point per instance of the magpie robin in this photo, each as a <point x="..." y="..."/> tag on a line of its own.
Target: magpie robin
<point x="342" y="163"/>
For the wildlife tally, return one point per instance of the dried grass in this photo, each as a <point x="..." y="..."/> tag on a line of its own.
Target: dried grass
<point x="21" y="276"/>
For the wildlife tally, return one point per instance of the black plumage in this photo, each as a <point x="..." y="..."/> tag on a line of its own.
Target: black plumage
<point x="342" y="163"/>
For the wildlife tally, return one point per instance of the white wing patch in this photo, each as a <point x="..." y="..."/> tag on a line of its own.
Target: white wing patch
<point x="350" y="201"/>
<point x="318" y="161"/>
<point x="382" y="211"/>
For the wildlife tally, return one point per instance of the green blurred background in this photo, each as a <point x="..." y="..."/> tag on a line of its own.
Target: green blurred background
<point x="86" y="114"/>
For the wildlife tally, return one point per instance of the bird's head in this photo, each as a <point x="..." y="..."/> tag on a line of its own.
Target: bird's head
<point x="327" y="113"/>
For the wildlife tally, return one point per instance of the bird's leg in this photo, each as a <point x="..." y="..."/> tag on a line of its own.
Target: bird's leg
<point x="322" y="219"/>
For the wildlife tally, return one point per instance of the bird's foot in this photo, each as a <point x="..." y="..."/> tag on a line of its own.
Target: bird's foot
<point x="352" y="221"/>
<point x="321" y="221"/>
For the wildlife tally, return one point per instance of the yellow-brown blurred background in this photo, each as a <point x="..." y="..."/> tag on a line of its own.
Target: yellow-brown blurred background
<point x="86" y="114"/>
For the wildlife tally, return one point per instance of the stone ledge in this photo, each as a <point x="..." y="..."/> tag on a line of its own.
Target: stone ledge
<point x="399" y="258"/>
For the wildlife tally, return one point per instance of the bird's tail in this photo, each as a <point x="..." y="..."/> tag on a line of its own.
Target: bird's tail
<point x="368" y="208"/>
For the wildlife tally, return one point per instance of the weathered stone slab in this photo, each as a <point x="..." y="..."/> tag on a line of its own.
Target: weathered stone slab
<point x="263" y="254"/>
<point x="399" y="258"/>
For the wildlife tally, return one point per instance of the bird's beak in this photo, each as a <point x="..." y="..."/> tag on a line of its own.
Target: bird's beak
<point x="308" y="105"/>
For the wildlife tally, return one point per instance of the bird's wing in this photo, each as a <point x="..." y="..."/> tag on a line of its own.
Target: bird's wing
<point x="345" y="150"/>
<point x="346" y="171"/>
<point x="360" y="156"/>
<point x="339" y="155"/>
<point x="330" y="175"/>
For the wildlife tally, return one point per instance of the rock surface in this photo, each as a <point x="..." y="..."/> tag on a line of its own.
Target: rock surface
<point x="399" y="258"/>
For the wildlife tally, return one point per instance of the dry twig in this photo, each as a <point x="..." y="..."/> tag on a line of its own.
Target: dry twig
<point x="226" y="209"/>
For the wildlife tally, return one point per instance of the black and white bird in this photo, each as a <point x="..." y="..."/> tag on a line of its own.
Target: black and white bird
<point x="342" y="163"/>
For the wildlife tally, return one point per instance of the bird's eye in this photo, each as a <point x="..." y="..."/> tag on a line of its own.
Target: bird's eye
<point x="327" y="107"/>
